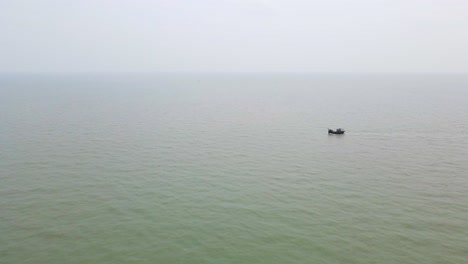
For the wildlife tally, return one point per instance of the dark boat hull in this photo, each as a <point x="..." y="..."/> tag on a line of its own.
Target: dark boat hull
<point x="336" y="132"/>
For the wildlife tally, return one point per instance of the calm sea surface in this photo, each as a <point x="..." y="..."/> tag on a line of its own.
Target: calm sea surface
<point x="233" y="169"/>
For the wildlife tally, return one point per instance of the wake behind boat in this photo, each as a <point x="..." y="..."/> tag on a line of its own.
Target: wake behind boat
<point x="339" y="131"/>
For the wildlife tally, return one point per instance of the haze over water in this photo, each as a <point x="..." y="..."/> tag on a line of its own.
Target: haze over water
<point x="233" y="169"/>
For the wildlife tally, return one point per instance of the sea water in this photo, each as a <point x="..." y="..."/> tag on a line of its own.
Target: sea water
<point x="233" y="168"/>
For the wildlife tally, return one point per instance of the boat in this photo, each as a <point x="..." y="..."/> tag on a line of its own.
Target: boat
<point x="338" y="131"/>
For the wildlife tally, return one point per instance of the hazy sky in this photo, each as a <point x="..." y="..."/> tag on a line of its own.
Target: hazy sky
<point x="234" y="35"/>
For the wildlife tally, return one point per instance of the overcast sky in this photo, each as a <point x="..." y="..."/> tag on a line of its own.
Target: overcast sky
<point x="234" y="36"/>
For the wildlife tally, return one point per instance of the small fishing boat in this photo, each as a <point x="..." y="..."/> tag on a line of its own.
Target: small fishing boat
<point x="339" y="131"/>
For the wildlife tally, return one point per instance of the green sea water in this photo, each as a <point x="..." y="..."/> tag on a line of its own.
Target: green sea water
<point x="233" y="169"/>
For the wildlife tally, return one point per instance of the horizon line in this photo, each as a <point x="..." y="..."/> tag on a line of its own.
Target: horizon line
<point x="221" y="73"/>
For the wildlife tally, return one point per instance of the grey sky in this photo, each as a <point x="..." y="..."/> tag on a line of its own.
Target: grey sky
<point x="230" y="35"/>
